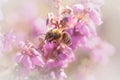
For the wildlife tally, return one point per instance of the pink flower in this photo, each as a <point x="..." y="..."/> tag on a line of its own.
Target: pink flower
<point x="49" y="48"/>
<point x="52" y="55"/>
<point x="6" y="42"/>
<point x="29" y="57"/>
<point x="87" y="29"/>
<point x="78" y="8"/>
<point x="58" y="57"/>
<point x="94" y="14"/>
<point x="60" y="74"/>
<point x="102" y="51"/>
<point x="81" y="32"/>
<point x="88" y="9"/>
<point x="65" y="56"/>
<point x="76" y="37"/>
<point x="9" y="39"/>
<point x="72" y="21"/>
<point x="97" y="3"/>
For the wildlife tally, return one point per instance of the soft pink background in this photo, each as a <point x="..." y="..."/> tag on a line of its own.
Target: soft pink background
<point x="109" y="31"/>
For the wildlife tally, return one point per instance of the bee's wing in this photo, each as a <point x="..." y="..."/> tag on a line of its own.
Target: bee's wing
<point x="66" y="38"/>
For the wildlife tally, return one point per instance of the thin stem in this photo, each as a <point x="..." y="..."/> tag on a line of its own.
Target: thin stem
<point x="58" y="6"/>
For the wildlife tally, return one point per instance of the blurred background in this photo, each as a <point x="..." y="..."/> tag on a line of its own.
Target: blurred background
<point x="17" y="14"/>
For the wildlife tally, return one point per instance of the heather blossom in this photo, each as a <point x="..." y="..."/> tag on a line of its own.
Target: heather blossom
<point x="30" y="52"/>
<point x="63" y="32"/>
<point x="29" y="57"/>
<point x="6" y="42"/>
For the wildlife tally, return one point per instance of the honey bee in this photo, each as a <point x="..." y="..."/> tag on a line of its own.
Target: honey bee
<point x="58" y="35"/>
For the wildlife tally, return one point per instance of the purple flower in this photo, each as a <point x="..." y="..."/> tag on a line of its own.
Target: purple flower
<point x="78" y="8"/>
<point x="57" y="56"/>
<point x="60" y="74"/>
<point x="9" y="39"/>
<point x="29" y="57"/>
<point x="6" y="42"/>
<point x="94" y="14"/>
<point x="65" y="56"/>
<point x="97" y="3"/>
<point x="52" y="54"/>
<point x="78" y="35"/>
<point x="102" y="51"/>
<point x="99" y="49"/>
<point x="87" y="29"/>
<point x="49" y="49"/>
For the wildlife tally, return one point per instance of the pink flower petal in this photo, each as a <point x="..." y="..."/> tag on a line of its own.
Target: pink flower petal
<point x="19" y="57"/>
<point x="37" y="61"/>
<point x="27" y="62"/>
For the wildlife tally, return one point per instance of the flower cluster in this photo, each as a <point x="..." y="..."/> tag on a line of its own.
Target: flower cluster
<point x="67" y="29"/>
